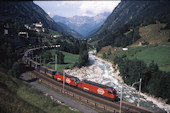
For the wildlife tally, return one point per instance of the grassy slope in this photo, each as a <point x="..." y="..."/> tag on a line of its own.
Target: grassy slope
<point x="51" y="32"/>
<point x="50" y="42"/>
<point x="69" y="61"/>
<point x="94" y="42"/>
<point x="48" y="36"/>
<point x="17" y="96"/>
<point x="152" y="34"/>
<point x="39" y="100"/>
<point x="160" y="54"/>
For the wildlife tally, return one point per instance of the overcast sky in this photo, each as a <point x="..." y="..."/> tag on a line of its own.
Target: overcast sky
<point x="80" y="8"/>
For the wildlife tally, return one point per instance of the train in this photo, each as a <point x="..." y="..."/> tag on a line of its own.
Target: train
<point x="97" y="89"/>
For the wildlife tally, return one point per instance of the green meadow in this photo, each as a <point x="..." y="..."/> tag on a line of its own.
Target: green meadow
<point x="69" y="61"/>
<point x="160" y="54"/>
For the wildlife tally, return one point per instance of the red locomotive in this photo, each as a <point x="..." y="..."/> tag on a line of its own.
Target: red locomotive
<point x="99" y="89"/>
<point x="92" y="87"/>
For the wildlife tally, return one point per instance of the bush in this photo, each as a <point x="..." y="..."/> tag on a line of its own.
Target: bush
<point x="46" y="56"/>
<point x="60" y="57"/>
<point x="104" y="55"/>
<point x="17" y="69"/>
<point x="169" y="40"/>
<point x="109" y="52"/>
<point x="83" y="59"/>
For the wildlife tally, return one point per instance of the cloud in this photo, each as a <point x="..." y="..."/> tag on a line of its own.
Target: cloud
<point x="90" y="8"/>
<point x="80" y="8"/>
<point x="48" y="13"/>
<point x="96" y="7"/>
<point x="71" y="2"/>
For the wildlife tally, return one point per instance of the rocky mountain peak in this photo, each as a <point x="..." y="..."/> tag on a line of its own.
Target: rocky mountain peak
<point x="83" y="24"/>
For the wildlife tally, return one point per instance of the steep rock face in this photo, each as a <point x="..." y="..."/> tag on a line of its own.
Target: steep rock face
<point x="28" y="12"/>
<point x="83" y="24"/>
<point x="129" y="11"/>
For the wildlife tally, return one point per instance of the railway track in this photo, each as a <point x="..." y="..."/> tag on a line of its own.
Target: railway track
<point x="90" y="99"/>
<point x="86" y="97"/>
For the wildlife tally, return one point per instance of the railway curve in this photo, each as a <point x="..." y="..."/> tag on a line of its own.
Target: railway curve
<point x="83" y="96"/>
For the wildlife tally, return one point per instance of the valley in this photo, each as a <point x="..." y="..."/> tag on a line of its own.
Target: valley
<point x="84" y="25"/>
<point x="115" y="49"/>
<point x="136" y="42"/>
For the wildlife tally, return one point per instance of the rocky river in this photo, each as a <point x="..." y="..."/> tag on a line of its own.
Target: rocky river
<point x="102" y="72"/>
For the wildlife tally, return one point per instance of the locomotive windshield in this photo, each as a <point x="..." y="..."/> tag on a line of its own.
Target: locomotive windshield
<point x="76" y="80"/>
<point x="115" y="92"/>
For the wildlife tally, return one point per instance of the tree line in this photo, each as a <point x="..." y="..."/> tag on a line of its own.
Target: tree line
<point x="154" y="81"/>
<point x="8" y="56"/>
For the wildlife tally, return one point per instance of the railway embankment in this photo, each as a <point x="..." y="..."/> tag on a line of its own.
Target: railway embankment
<point x="18" y="96"/>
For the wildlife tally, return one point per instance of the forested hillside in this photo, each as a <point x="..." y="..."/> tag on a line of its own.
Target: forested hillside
<point x="27" y="12"/>
<point x="129" y="16"/>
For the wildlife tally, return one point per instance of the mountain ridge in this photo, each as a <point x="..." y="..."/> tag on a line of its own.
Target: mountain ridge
<point x="128" y="11"/>
<point x="130" y="15"/>
<point x="83" y="24"/>
<point x="70" y="31"/>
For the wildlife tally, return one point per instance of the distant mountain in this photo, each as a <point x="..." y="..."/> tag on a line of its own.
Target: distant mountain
<point x="135" y="11"/>
<point x="83" y="24"/>
<point x="27" y="12"/>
